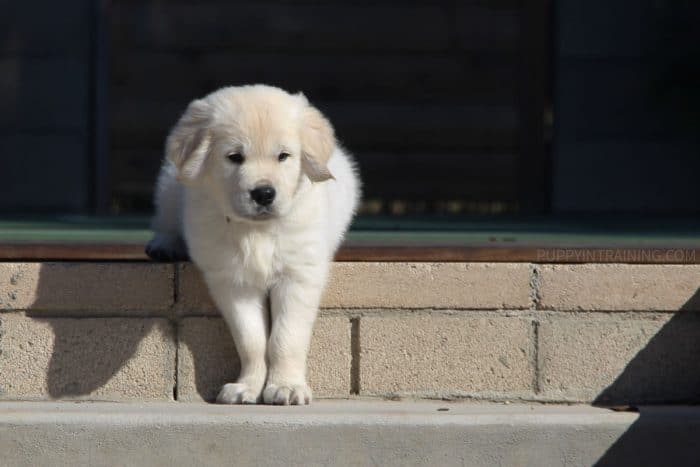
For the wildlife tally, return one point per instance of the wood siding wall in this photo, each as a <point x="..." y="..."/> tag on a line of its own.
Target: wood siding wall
<point x="45" y="103"/>
<point x="427" y="95"/>
<point x="627" y="110"/>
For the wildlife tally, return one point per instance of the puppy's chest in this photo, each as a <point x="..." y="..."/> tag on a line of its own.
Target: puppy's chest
<point x="258" y="258"/>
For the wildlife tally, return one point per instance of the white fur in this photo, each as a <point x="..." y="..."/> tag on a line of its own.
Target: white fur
<point x="245" y="260"/>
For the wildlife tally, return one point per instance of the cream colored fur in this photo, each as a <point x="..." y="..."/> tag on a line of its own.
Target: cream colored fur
<point x="250" y="253"/>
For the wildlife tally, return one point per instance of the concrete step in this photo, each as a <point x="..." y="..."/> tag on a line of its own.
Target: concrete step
<point x="609" y="333"/>
<point x="351" y="432"/>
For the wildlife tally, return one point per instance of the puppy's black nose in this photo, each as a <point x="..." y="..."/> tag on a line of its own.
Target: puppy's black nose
<point x="263" y="195"/>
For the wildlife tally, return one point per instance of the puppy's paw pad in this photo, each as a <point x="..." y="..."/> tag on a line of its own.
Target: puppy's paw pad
<point x="294" y="394"/>
<point x="236" y="393"/>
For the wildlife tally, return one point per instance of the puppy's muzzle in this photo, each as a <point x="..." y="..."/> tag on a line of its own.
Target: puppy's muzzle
<point x="263" y="195"/>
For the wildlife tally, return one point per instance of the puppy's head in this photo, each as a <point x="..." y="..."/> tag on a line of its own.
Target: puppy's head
<point x="251" y="147"/>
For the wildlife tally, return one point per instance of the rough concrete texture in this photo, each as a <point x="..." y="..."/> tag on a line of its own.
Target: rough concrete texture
<point x="193" y="296"/>
<point x="95" y="287"/>
<point x="101" y="358"/>
<point x="610" y="360"/>
<point x="403" y="285"/>
<point x="207" y="358"/>
<point x="429" y="285"/>
<point x="344" y="433"/>
<point x="446" y="355"/>
<point x="619" y="287"/>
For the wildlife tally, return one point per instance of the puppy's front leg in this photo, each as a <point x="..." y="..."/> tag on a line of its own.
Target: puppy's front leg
<point x="294" y="306"/>
<point x="243" y="309"/>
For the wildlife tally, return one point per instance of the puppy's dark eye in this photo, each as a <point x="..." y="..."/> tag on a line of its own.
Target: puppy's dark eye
<point x="283" y="156"/>
<point x="236" y="158"/>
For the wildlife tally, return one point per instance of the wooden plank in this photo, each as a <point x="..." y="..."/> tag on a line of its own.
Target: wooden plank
<point x="535" y="97"/>
<point x="388" y="253"/>
<point x="43" y="171"/>
<point x="622" y="175"/>
<point x="409" y="124"/>
<point x="488" y="27"/>
<point x="458" y="175"/>
<point x="72" y="252"/>
<point x="617" y="99"/>
<point x="45" y="93"/>
<point x="98" y="125"/>
<point x="605" y="29"/>
<point x="475" y="78"/>
<point x="253" y="26"/>
<point x="43" y="28"/>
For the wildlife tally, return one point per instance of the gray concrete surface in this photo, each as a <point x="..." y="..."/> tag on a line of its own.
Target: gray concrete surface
<point x="353" y="432"/>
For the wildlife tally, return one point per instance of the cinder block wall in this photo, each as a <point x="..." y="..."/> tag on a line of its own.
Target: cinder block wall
<point x="501" y="331"/>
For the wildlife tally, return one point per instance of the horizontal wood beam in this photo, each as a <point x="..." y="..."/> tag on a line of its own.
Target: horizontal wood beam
<point x="26" y="251"/>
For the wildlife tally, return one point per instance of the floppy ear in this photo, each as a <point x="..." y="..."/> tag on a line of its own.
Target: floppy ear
<point x="317" y="144"/>
<point x="188" y="142"/>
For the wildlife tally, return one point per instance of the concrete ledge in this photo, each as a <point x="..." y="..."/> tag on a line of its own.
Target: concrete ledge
<point x="344" y="433"/>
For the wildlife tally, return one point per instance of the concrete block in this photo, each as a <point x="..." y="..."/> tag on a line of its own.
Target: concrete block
<point x="398" y="285"/>
<point x="94" y="287"/>
<point x="613" y="360"/>
<point x="193" y="296"/>
<point x="95" y="358"/>
<point x="619" y="287"/>
<point x="207" y="358"/>
<point x="446" y="355"/>
<point x="429" y="285"/>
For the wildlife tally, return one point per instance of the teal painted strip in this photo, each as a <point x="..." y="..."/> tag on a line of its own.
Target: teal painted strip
<point x="373" y="231"/>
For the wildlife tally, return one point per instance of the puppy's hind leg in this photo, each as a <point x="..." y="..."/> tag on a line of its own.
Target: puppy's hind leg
<point x="167" y="244"/>
<point x="243" y="309"/>
<point x="166" y="247"/>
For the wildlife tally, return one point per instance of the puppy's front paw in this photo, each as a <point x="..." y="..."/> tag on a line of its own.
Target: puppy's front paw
<point x="236" y="393"/>
<point x="293" y="394"/>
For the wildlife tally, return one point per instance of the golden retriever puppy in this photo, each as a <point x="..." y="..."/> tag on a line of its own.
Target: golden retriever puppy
<point x="256" y="190"/>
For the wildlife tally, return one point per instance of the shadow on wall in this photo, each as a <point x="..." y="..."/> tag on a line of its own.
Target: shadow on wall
<point x="207" y="350"/>
<point x="87" y="352"/>
<point x="665" y="371"/>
